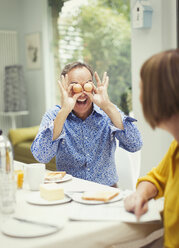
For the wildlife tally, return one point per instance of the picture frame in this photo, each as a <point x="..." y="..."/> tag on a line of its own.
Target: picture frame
<point x="33" y="51"/>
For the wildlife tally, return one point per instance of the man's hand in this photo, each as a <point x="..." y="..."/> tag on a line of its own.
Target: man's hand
<point x="100" y="95"/>
<point x="100" y="98"/>
<point x="68" y="99"/>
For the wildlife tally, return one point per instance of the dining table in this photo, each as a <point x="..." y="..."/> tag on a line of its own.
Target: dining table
<point x="78" y="233"/>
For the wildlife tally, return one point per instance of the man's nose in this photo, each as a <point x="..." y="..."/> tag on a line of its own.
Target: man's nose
<point x="82" y="85"/>
<point x="83" y="94"/>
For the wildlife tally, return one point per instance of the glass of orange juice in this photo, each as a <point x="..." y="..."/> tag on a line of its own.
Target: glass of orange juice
<point x="19" y="175"/>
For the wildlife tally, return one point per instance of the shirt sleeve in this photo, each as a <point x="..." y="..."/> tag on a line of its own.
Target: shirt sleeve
<point x="159" y="175"/>
<point x="130" y="138"/>
<point x="44" y="148"/>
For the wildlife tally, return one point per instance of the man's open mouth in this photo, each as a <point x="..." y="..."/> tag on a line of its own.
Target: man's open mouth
<point x="82" y="101"/>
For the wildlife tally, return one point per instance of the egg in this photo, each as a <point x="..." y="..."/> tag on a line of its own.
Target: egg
<point x="77" y="88"/>
<point x="88" y="87"/>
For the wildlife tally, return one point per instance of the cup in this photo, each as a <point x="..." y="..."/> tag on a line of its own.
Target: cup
<point x="19" y="175"/>
<point x="19" y="178"/>
<point x="7" y="194"/>
<point x="35" y="174"/>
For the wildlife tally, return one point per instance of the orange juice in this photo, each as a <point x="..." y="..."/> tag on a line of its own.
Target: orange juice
<point x="20" y="178"/>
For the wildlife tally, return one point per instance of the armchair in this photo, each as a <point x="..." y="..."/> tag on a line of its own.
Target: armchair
<point x="21" y="139"/>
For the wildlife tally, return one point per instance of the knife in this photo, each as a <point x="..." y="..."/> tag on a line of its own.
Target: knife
<point x="36" y="223"/>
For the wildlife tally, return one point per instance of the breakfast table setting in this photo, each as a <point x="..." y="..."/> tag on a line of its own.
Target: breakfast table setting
<point x="79" y="217"/>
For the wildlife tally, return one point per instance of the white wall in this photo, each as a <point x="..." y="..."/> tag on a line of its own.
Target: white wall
<point x="146" y="42"/>
<point x="34" y="18"/>
<point x="9" y="14"/>
<point x="29" y="16"/>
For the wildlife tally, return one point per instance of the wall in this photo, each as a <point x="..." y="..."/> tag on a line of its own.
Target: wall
<point x="34" y="18"/>
<point x="160" y="37"/>
<point x="9" y="14"/>
<point x="28" y="17"/>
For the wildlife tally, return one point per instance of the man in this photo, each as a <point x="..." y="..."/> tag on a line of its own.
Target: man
<point x="82" y="132"/>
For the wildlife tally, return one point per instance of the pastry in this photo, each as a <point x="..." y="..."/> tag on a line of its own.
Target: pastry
<point x="51" y="192"/>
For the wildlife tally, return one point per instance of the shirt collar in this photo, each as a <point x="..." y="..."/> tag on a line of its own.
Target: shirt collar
<point x="96" y="109"/>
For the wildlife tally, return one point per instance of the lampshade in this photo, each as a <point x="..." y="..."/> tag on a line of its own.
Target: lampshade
<point x="15" y="97"/>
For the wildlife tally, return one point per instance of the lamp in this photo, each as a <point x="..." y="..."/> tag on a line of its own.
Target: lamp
<point x="15" y="98"/>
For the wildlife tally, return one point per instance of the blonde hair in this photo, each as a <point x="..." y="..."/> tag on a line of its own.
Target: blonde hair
<point x="160" y="87"/>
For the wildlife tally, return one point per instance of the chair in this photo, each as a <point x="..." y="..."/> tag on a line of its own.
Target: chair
<point x="21" y="139"/>
<point x="128" y="168"/>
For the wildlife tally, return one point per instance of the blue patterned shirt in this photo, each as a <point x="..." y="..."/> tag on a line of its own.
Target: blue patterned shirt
<point x="86" y="148"/>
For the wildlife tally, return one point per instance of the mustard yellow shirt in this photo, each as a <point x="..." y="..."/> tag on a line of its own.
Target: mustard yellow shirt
<point x="166" y="178"/>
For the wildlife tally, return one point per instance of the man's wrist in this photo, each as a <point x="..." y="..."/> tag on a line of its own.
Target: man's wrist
<point x="108" y="107"/>
<point x="65" y="111"/>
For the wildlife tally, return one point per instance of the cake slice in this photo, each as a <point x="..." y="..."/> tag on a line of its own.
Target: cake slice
<point x="51" y="192"/>
<point x="55" y="175"/>
<point x="99" y="195"/>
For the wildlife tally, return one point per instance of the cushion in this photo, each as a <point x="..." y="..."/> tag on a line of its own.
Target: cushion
<point x="23" y="154"/>
<point x="22" y="134"/>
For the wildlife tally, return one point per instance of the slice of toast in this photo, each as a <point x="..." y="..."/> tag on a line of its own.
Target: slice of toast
<point x="55" y="175"/>
<point x="99" y="195"/>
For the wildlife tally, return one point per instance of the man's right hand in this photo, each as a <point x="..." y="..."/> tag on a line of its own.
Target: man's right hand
<point x="68" y="99"/>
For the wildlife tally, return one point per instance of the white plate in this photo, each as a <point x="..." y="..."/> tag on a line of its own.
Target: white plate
<point x="78" y="198"/>
<point x="34" y="198"/>
<point x="64" y="179"/>
<point x="15" y="228"/>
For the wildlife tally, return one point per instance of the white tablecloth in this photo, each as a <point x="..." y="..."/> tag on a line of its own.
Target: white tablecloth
<point x="79" y="234"/>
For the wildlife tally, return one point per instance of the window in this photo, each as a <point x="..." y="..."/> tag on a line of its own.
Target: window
<point x="98" y="32"/>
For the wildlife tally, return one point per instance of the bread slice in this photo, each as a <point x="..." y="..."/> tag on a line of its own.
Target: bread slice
<point x="51" y="192"/>
<point x="55" y="175"/>
<point x="99" y="195"/>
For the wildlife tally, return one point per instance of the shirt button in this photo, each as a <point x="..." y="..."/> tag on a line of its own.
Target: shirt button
<point x="88" y="169"/>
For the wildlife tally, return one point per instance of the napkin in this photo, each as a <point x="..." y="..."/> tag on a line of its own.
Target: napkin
<point x="113" y="213"/>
